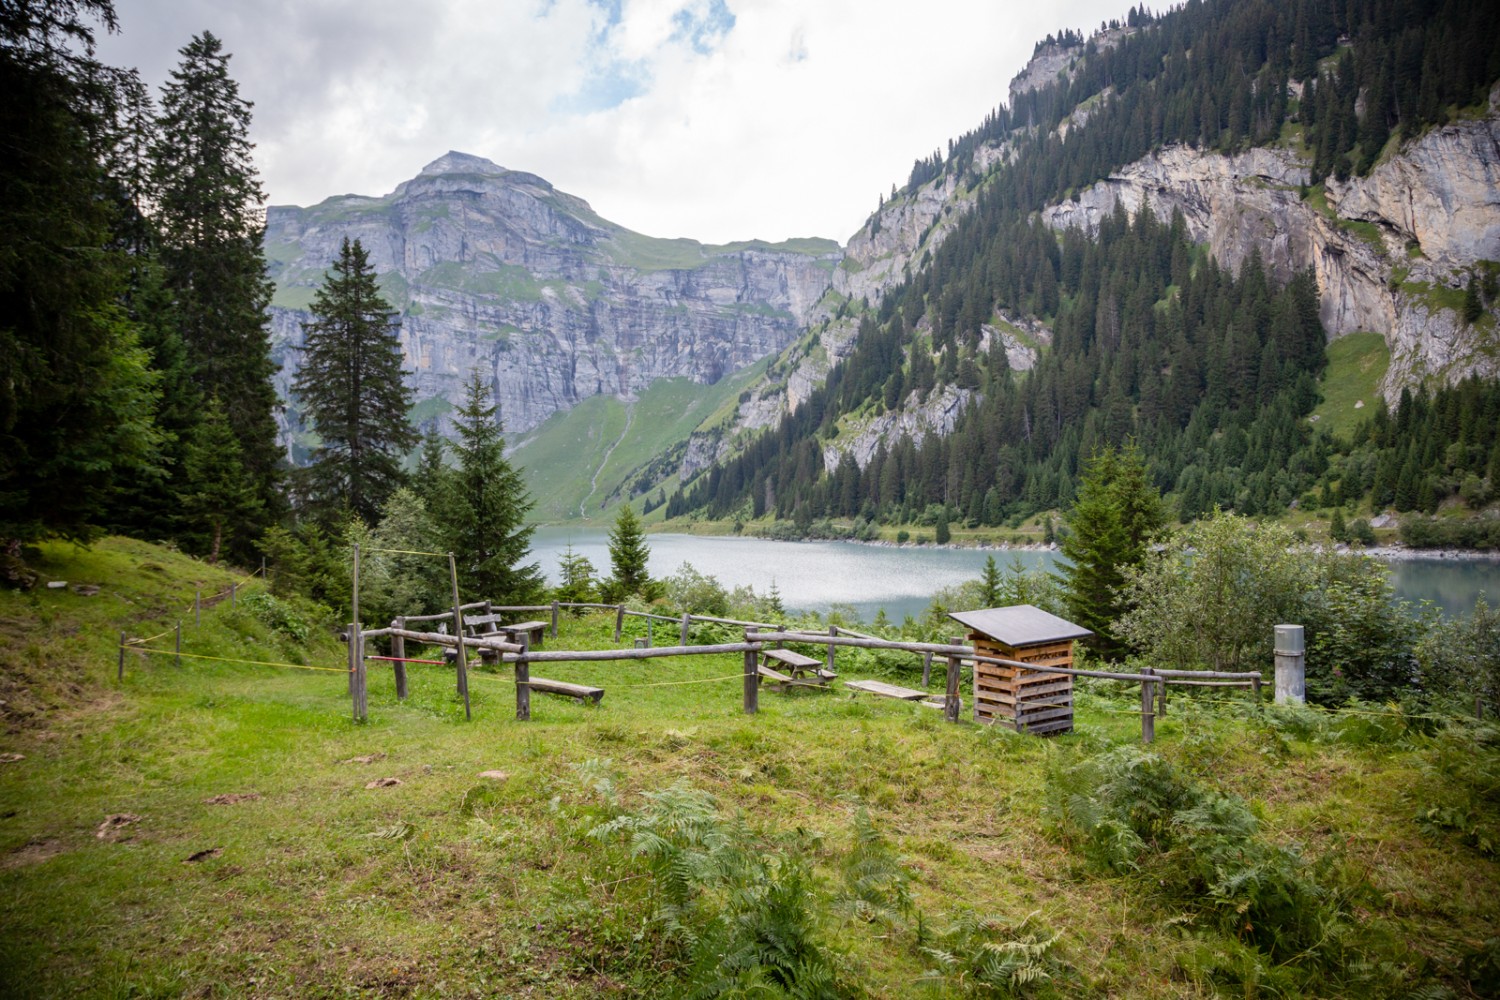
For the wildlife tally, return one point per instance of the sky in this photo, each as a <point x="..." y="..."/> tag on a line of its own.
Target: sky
<point x="718" y="120"/>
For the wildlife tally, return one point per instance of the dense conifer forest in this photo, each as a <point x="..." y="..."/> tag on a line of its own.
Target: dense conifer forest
<point x="1211" y="373"/>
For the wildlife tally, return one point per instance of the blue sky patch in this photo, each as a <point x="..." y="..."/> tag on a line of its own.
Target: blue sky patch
<point x="703" y="31"/>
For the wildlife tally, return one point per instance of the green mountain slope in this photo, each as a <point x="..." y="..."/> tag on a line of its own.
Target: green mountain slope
<point x="582" y="461"/>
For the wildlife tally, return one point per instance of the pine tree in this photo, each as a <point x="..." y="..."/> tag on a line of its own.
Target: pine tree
<point x="481" y="510"/>
<point x="628" y="556"/>
<point x="1116" y="515"/>
<point x="990" y="583"/>
<point x="432" y="466"/>
<point x="76" y="391"/>
<point x="209" y="202"/>
<point x="218" y="498"/>
<point x="350" y="385"/>
<point x="577" y="578"/>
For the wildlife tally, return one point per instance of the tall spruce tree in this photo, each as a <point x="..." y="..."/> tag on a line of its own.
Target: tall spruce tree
<point x="209" y="217"/>
<point x="351" y="388"/>
<point x="628" y="555"/>
<point x="218" y="499"/>
<point x="76" y="392"/>
<point x="1116" y="515"/>
<point x="481" y="509"/>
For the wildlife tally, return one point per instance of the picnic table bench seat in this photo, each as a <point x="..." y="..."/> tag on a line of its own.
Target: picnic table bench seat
<point x="582" y="693"/>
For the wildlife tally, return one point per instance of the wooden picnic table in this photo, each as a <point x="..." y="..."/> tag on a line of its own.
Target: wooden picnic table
<point x="801" y="670"/>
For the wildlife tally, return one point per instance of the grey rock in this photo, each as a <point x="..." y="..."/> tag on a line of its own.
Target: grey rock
<point x="497" y="270"/>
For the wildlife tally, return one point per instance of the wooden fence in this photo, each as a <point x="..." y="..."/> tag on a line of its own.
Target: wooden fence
<point x="758" y="637"/>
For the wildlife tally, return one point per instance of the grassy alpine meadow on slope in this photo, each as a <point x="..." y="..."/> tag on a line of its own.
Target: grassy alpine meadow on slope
<point x="223" y="829"/>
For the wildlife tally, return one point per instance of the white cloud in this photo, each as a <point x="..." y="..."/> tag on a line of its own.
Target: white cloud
<point x="789" y="123"/>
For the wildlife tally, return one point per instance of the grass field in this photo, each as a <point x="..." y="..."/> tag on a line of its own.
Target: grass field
<point x="825" y="813"/>
<point x="1356" y="364"/>
<point x="561" y="457"/>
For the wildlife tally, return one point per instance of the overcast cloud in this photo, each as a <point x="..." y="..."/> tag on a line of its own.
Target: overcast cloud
<point x="713" y="119"/>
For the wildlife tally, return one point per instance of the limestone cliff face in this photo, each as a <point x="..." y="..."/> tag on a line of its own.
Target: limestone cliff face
<point x="877" y="258"/>
<point x="495" y="269"/>
<point x="1387" y="250"/>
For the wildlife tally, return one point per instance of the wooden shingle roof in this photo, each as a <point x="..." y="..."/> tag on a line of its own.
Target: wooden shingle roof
<point x="1020" y="625"/>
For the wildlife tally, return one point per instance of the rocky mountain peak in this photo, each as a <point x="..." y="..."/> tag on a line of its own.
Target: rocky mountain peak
<point x="455" y="162"/>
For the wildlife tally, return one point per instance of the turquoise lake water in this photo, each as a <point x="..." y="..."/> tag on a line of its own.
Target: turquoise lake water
<point x="816" y="575"/>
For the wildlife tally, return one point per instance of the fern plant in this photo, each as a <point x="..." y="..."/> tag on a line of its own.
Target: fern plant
<point x="995" y="957"/>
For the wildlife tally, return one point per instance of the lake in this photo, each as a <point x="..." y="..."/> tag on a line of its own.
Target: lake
<point x="814" y="576"/>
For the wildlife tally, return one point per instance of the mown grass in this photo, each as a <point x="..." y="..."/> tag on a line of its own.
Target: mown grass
<point x="450" y="884"/>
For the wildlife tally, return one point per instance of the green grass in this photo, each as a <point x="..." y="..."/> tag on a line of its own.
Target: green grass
<point x="651" y="253"/>
<point x="560" y="457"/>
<point x="454" y="885"/>
<point x="1356" y="365"/>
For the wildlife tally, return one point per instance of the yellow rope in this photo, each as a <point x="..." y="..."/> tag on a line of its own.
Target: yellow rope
<point x="138" y="642"/>
<point x="253" y="663"/>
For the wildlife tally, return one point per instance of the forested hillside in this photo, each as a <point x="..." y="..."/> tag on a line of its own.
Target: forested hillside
<point x="1212" y="370"/>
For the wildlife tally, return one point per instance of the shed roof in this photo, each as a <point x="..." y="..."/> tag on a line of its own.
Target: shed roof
<point x="1021" y="625"/>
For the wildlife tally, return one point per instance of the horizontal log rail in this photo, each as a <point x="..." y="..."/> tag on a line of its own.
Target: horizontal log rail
<point x="1215" y="675"/>
<point x="961" y="652"/>
<point x="582" y="655"/>
<point x="444" y="639"/>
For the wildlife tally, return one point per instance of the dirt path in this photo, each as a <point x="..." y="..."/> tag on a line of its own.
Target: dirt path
<point x="594" y="482"/>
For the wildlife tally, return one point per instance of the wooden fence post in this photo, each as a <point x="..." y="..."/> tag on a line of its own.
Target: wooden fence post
<point x="926" y="669"/>
<point x="833" y="632"/>
<point x="686" y="623"/>
<point x="1255" y="690"/>
<point x="619" y="621"/>
<point x="458" y="634"/>
<point x="752" y="680"/>
<point x="179" y="643"/>
<point x="361" y="679"/>
<point x="398" y="652"/>
<point x="523" y="680"/>
<point x="641" y="644"/>
<point x="353" y="609"/>
<point x="1161" y="699"/>
<point x="952" y="702"/>
<point x="554" y="619"/>
<point x="650" y="633"/>
<point x="120" y="674"/>
<point x="1148" y="717"/>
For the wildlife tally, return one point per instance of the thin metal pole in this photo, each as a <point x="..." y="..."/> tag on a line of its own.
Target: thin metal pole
<point x="120" y="674"/>
<point x="179" y="642"/>
<point x="197" y="609"/>
<point x="458" y="633"/>
<point x="354" y="610"/>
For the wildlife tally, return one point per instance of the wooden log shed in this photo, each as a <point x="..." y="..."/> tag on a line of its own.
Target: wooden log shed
<point x="1029" y="701"/>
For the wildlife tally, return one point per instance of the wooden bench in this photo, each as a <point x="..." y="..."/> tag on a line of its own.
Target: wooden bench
<point x="803" y="669"/>
<point x="885" y="690"/>
<point x="581" y="693"/>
